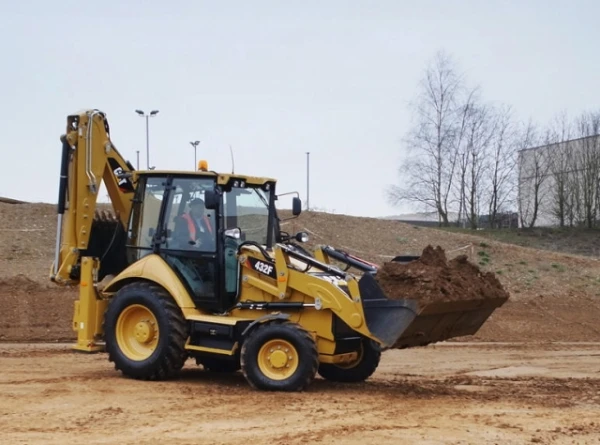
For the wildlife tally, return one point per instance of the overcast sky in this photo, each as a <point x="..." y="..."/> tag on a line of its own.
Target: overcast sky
<point x="274" y="79"/>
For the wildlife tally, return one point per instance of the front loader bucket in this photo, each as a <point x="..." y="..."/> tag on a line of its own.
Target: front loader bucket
<point x="405" y="323"/>
<point x="386" y="319"/>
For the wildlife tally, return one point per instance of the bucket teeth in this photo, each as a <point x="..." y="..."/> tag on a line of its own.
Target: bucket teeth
<point x="105" y="216"/>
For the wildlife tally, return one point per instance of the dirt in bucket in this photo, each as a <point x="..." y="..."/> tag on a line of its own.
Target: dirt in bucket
<point x="432" y="279"/>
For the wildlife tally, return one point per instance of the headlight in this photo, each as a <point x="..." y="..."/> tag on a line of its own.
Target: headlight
<point x="302" y="237"/>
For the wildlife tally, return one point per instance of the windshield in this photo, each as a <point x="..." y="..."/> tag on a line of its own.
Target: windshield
<point x="248" y="209"/>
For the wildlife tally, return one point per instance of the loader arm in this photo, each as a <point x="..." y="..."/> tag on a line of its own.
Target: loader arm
<point x="88" y="159"/>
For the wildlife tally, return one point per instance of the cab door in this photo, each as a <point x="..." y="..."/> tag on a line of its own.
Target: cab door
<point x="145" y="216"/>
<point x="194" y="257"/>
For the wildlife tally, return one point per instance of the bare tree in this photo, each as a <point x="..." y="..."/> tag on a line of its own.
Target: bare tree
<point x="588" y="160"/>
<point x="574" y="213"/>
<point x="480" y="130"/>
<point x="533" y="172"/>
<point x="502" y="164"/>
<point x="461" y="152"/>
<point x="427" y="176"/>
<point x="570" y="159"/>
<point x="561" y="168"/>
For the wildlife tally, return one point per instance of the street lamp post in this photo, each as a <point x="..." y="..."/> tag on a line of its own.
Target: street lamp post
<point x="307" y="181"/>
<point x="138" y="159"/>
<point x="195" y="145"/>
<point x="152" y="114"/>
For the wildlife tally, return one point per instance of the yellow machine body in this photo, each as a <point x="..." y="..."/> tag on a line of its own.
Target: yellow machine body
<point x="308" y="313"/>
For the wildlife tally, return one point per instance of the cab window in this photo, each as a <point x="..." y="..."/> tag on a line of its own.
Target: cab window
<point x="190" y="226"/>
<point x="144" y="216"/>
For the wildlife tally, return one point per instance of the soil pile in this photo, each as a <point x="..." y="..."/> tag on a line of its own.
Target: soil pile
<point x="34" y="311"/>
<point x="432" y="278"/>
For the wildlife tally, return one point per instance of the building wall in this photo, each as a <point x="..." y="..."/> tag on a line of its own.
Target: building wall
<point x="573" y="163"/>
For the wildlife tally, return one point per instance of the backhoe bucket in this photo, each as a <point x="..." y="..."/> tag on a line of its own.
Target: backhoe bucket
<point x="406" y="323"/>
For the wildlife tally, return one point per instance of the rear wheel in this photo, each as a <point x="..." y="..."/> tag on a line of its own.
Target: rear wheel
<point x="279" y="357"/>
<point x="359" y="370"/>
<point x="145" y="332"/>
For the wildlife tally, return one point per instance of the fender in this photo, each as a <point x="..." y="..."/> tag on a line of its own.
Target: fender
<point x="280" y="316"/>
<point x="153" y="268"/>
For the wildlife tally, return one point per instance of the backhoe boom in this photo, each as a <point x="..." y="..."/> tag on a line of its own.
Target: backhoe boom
<point x="88" y="159"/>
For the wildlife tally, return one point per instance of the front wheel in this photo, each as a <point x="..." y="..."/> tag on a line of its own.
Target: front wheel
<point x="145" y="332"/>
<point x="359" y="370"/>
<point x="279" y="357"/>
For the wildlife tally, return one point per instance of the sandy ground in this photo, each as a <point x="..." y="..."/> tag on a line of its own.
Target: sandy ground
<point x="443" y="394"/>
<point x="454" y="393"/>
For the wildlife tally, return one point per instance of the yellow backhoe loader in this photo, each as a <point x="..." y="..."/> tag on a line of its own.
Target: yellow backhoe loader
<point x="194" y="264"/>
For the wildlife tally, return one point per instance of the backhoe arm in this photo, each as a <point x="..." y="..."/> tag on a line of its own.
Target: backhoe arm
<point x="88" y="159"/>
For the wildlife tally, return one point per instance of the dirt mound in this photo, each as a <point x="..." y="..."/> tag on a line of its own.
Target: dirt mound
<point x="27" y="239"/>
<point x="21" y="283"/>
<point x="11" y="200"/>
<point x="432" y="278"/>
<point x="34" y="311"/>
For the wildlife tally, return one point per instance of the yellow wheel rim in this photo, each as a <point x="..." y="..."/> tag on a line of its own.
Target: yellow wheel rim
<point x="137" y="332"/>
<point x="278" y="359"/>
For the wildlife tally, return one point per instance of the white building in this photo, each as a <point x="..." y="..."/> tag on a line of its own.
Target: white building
<point x="563" y="179"/>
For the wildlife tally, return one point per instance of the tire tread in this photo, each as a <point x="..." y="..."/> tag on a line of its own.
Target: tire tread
<point x="169" y="365"/>
<point x="360" y="373"/>
<point x="307" y="343"/>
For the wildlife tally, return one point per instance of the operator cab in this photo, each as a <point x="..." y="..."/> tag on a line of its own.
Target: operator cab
<point x="196" y="222"/>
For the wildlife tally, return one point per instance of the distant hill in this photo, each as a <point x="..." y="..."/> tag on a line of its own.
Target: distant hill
<point x="11" y="201"/>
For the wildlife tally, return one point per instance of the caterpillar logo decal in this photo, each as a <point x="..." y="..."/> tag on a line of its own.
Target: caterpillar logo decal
<point x="263" y="267"/>
<point x="124" y="184"/>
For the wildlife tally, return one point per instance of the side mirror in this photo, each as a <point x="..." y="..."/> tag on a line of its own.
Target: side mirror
<point x="296" y="206"/>
<point x="211" y="199"/>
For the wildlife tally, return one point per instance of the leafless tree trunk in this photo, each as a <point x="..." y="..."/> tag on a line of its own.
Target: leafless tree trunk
<point x="480" y="130"/>
<point x="533" y="172"/>
<point x="573" y="197"/>
<point x="589" y="165"/>
<point x="503" y="163"/>
<point x="427" y="177"/>
<point x="463" y="163"/>
<point x="561" y="167"/>
<point x="461" y="154"/>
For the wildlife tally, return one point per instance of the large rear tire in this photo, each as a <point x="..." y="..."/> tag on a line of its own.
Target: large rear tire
<point x="361" y="369"/>
<point x="145" y="332"/>
<point x="279" y="357"/>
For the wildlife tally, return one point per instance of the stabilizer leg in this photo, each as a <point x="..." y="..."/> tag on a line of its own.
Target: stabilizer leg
<point x="89" y="309"/>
